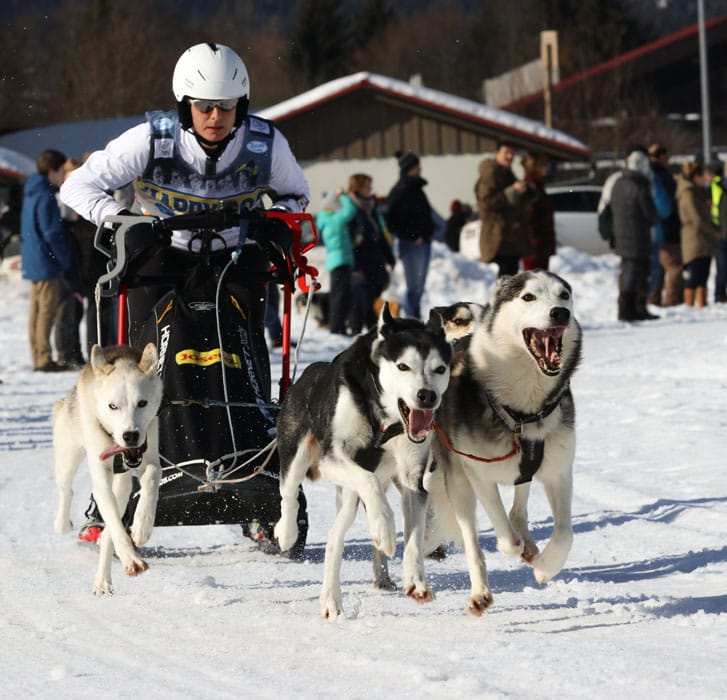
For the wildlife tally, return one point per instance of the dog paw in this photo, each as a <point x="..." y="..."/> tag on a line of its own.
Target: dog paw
<point x="331" y="606"/>
<point x="477" y="604"/>
<point x="141" y="533"/>
<point x="384" y="583"/>
<point x="510" y="547"/>
<point x="286" y="532"/>
<point x="103" y="587"/>
<point x="419" y="593"/>
<point x="62" y="526"/>
<point x="383" y="532"/>
<point x="135" y="567"/>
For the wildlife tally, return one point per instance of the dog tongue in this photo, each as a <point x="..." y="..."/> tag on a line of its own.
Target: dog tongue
<point x="111" y="451"/>
<point x="419" y="422"/>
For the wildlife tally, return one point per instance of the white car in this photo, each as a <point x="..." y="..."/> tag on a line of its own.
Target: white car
<point x="576" y="217"/>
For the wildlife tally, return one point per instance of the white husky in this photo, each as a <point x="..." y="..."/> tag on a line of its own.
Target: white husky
<point x="110" y="416"/>
<point x="509" y="416"/>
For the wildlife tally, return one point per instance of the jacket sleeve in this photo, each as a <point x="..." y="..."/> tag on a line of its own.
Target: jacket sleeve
<point x="87" y="189"/>
<point x="290" y="188"/>
<point x="53" y="230"/>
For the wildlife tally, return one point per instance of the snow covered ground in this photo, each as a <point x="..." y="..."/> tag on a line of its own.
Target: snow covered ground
<point x="638" y="611"/>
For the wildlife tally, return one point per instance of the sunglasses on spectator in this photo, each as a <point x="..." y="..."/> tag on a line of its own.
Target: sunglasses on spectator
<point x="206" y="106"/>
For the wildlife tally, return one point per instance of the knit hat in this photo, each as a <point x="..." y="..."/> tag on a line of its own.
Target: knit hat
<point x="407" y="161"/>
<point x="638" y="162"/>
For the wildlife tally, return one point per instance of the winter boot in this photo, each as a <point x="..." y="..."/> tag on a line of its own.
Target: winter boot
<point x="627" y="307"/>
<point x="688" y="296"/>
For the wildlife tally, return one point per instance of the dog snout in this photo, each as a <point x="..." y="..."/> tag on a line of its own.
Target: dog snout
<point x="560" y="315"/>
<point x="427" y="398"/>
<point x="131" y="438"/>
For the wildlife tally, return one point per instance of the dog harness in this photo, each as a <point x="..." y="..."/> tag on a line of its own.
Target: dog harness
<point x="170" y="186"/>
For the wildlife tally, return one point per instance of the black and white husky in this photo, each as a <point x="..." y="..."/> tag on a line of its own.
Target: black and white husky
<point x="359" y="422"/>
<point x="508" y="416"/>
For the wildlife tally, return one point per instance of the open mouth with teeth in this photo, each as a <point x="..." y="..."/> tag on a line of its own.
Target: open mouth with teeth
<point x="417" y="421"/>
<point x="132" y="456"/>
<point x="546" y="346"/>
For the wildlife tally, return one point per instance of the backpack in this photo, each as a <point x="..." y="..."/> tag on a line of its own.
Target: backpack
<point x="605" y="225"/>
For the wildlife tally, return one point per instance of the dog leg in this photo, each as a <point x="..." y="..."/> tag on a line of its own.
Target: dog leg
<point x="508" y="541"/>
<point x="464" y="502"/>
<point x="102" y="583"/>
<point x="344" y="472"/>
<point x="286" y="529"/>
<point x="382" y="579"/>
<point x="146" y="509"/>
<point x="67" y="460"/>
<point x="559" y="491"/>
<point x="414" y="506"/>
<point x="111" y="493"/>
<point x="331" y="596"/>
<point x="519" y="520"/>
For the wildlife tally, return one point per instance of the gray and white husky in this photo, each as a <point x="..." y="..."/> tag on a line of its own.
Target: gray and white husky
<point x="110" y="416"/>
<point x="508" y="416"/>
<point x="359" y="422"/>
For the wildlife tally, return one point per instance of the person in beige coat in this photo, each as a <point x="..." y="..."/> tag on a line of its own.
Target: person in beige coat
<point x="698" y="235"/>
<point x="501" y="201"/>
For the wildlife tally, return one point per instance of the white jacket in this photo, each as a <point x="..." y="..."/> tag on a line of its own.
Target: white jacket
<point x="125" y="158"/>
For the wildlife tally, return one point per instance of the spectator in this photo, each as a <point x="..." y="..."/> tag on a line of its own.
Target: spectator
<point x="460" y="214"/>
<point x="66" y="332"/>
<point x="699" y="234"/>
<point x="331" y="223"/>
<point x="666" y="288"/>
<point x="501" y="200"/>
<point x="719" y="219"/>
<point x="634" y="213"/>
<point x="409" y="216"/>
<point x="539" y="217"/>
<point x="371" y="251"/>
<point x="44" y="252"/>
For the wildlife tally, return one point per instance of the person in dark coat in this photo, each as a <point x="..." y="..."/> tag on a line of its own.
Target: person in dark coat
<point x="44" y="253"/>
<point x="634" y="213"/>
<point x="409" y="216"/>
<point x="460" y="214"/>
<point x="539" y="217"/>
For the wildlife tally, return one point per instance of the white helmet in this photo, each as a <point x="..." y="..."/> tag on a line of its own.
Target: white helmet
<point x="210" y="72"/>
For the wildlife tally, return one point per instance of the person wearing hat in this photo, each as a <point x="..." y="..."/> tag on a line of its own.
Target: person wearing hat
<point x="409" y="218"/>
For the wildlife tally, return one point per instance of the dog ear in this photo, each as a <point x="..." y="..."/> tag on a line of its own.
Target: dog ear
<point x="436" y="320"/>
<point x="385" y="319"/>
<point x="149" y="359"/>
<point x="98" y="358"/>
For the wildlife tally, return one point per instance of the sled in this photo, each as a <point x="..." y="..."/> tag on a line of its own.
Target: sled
<point x="219" y="462"/>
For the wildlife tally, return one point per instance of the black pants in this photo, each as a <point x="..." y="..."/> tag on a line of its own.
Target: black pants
<point x="339" y="302"/>
<point x="246" y="279"/>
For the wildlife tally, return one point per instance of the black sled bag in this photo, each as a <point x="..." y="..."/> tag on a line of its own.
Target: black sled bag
<point x="199" y="436"/>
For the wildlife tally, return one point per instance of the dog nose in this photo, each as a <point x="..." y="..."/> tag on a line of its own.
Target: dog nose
<point x="427" y="398"/>
<point x="131" y="437"/>
<point x="560" y="315"/>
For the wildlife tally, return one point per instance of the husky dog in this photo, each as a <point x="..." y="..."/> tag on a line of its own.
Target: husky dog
<point x="359" y="421"/>
<point x="507" y="416"/>
<point x="110" y="415"/>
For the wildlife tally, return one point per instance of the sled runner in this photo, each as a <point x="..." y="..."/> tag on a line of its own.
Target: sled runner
<point x="217" y="420"/>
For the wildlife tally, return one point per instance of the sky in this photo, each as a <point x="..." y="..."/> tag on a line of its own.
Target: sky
<point x="640" y="608"/>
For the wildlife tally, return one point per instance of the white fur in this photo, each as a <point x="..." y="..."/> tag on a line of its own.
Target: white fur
<point x="501" y="363"/>
<point x="105" y="404"/>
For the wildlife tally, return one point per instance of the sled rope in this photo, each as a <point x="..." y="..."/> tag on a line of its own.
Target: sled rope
<point x="514" y="451"/>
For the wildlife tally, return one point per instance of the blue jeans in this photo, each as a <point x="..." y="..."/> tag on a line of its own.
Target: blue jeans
<point x="415" y="259"/>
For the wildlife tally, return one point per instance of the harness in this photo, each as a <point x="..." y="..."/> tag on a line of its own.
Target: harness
<point x="170" y="186"/>
<point x="531" y="451"/>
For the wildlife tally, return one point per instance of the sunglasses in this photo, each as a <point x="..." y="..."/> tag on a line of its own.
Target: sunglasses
<point x="206" y="106"/>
